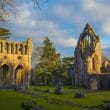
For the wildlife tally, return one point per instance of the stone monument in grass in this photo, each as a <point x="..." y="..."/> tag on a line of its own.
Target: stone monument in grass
<point x="59" y="88"/>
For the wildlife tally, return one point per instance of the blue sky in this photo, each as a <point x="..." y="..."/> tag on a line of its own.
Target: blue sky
<point x="62" y="21"/>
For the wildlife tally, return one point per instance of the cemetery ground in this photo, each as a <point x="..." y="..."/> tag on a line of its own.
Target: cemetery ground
<point x="44" y="96"/>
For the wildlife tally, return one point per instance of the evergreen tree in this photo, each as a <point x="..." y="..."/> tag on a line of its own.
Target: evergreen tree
<point x="4" y="33"/>
<point x="68" y="67"/>
<point x="49" y="61"/>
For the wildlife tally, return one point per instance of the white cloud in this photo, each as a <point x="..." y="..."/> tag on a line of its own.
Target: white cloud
<point x="70" y="42"/>
<point x="98" y="11"/>
<point x="50" y="22"/>
<point x="89" y="4"/>
<point x="86" y="11"/>
<point x="62" y="10"/>
<point x="69" y="13"/>
<point x="29" y="25"/>
<point x="106" y="27"/>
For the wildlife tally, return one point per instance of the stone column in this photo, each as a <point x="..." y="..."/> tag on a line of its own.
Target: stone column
<point x="9" y="51"/>
<point x="18" y="45"/>
<point x="14" y="47"/>
<point x="23" y="49"/>
<point x="3" y="47"/>
<point x="12" y="77"/>
<point x="27" y="80"/>
<point x="0" y="48"/>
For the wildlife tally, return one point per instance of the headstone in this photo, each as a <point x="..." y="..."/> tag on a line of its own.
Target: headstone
<point x="59" y="88"/>
<point x="79" y="94"/>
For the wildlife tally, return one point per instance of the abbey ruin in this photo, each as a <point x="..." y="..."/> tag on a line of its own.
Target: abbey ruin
<point x="15" y="63"/>
<point x="91" y="70"/>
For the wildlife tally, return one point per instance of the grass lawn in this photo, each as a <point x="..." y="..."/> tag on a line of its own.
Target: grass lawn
<point x="12" y="100"/>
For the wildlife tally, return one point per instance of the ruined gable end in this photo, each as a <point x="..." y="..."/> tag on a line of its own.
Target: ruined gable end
<point x="88" y="58"/>
<point x="15" y="63"/>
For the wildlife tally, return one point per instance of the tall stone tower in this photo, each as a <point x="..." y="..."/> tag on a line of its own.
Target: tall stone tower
<point x="15" y="63"/>
<point x="88" y="58"/>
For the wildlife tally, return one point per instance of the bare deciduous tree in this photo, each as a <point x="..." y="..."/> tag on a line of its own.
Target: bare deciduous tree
<point x="7" y="7"/>
<point x="37" y="52"/>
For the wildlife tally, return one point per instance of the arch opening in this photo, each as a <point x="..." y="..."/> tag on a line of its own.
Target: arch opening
<point x="21" y="49"/>
<point x="5" y="74"/>
<point x="94" y="63"/>
<point x="19" y="75"/>
<point x="7" y="48"/>
<point x="12" y="49"/>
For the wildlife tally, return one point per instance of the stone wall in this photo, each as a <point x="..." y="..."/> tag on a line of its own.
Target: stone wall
<point x="101" y="82"/>
<point x="88" y="57"/>
<point x="15" y="62"/>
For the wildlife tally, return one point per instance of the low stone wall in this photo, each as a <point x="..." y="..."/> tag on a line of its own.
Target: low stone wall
<point x="99" y="81"/>
<point x="94" y="82"/>
<point x="105" y="81"/>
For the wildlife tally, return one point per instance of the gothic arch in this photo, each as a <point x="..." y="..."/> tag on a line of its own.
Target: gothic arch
<point x="7" y="47"/>
<point x="12" y="49"/>
<point x="21" y="48"/>
<point x="5" y="74"/>
<point x="16" y="48"/>
<point x="19" y="75"/>
<point x="26" y="48"/>
<point x="94" y="62"/>
<point x="1" y="47"/>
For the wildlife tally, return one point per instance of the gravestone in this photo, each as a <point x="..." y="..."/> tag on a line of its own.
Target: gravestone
<point x="79" y="94"/>
<point x="59" y="88"/>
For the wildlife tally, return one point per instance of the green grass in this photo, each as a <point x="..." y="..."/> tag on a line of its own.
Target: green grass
<point x="12" y="100"/>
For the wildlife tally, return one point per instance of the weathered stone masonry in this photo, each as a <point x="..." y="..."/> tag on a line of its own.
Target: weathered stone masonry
<point x="89" y="65"/>
<point x="15" y="63"/>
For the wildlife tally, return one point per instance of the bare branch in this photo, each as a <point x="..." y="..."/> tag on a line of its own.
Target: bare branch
<point x="7" y="7"/>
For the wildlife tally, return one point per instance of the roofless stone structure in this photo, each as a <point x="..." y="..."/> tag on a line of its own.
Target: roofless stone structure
<point x="88" y="59"/>
<point x="15" y="63"/>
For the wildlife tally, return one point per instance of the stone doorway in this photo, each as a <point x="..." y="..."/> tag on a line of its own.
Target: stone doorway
<point x="19" y="75"/>
<point x="4" y="75"/>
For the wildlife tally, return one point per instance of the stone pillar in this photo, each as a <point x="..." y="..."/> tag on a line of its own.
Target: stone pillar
<point x="18" y="45"/>
<point x="12" y="77"/>
<point x="17" y="48"/>
<point x="27" y="80"/>
<point x="9" y="51"/>
<point x="3" y="47"/>
<point x="23" y="49"/>
<point x="14" y="47"/>
<point x="0" y="48"/>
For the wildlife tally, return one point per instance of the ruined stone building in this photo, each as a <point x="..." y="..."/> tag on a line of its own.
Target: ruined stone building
<point x="15" y="63"/>
<point x="89" y="66"/>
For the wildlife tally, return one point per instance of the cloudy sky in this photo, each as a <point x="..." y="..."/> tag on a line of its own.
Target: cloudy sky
<point x="62" y="21"/>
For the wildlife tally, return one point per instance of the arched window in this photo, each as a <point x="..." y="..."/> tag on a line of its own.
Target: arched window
<point x="94" y="62"/>
<point x="5" y="74"/>
<point x="12" y="49"/>
<point x="16" y="49"/>
<point x="21" y="49"/>
<point x="87" y="40"/>
<point x="19" y="75"/>
<point x="1" y="47"/>
<point x="25" y="49"/>
<point x="7" y="48"/>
